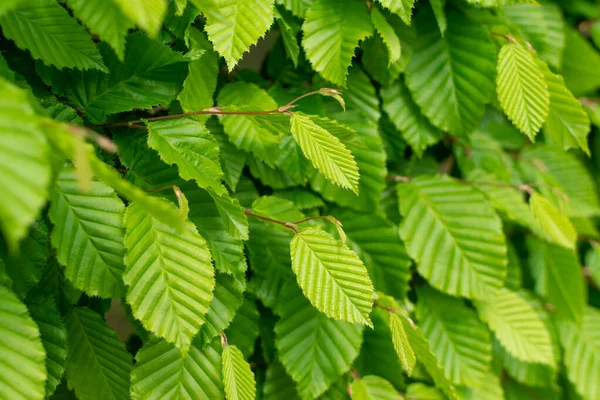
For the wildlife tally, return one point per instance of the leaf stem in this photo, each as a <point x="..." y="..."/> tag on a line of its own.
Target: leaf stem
<point x="289" y="225"/>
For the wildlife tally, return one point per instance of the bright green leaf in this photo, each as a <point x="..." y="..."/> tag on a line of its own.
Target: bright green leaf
<point x="373" y="387"/>
<point x="401" y="344"/>
<point x="387" y="33"/>
<point x="556" y="226"/>
<point x="237" y="376"/>
<point x="402" y="8"/>
<point x="147" y="14"/>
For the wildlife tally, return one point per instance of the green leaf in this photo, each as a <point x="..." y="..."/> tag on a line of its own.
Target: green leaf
<point x="406" y="116"/>
<point x="522" y="90"/>
<point x="567" y="124"/>
<point x="151" y="74"/>
<point x="233" y="160"/>
<point x="421" y="391"/>
<point x="387" y="33"/>
<point x="234" y="26"/>
<point x="403" y="8"/>
<point x="582" y="353"/>
<point x="25" y="268"/>
<point x="556" y="226"/>
<point x="201" y="82"/>
<point x="558" y="278"/>
<point x="490" y="390"/>
<point x="237" y="376"/>
<point x="453" y="235"/>
<point x="553" y="169"/>
<point x="259" y="134"/>
<point x="288" y="36"/>
<point x="189" y="145"/>
<point x="227" y="299"/>
<point x="401" y="344"/>
<point x="332" y="30"/>
<point x="98" y="365"/>
<point x="234" y="218"/>
<point x="278" y="384"/>
<point x="426" y="357"/>
<point x="105" y="19"/>
<point x="372" y="387"/>
<point x="161" y="371"/>
<point x="446" y="66"/>
<point x="456" y="335"/>
<point x="244" y="329"/>
<point x="332" y="276"/>
<point x="376" y="242"/>
<point x="88" y="235"/>
<point x="23" y="372"/>
<point x="334" y="344"/>
<point x="169" y="276"/>
<point x="517" y="327"/>
<point x="581" y="65"/>
<point x="24" y="165"/>
<point x="592" y="262"/>
<point x="440" y="15"/>
<point x="66" y="44"/>
<point x="148" y="15"/>
<point x="326" y="152"/>
<point x="54" y="337"/>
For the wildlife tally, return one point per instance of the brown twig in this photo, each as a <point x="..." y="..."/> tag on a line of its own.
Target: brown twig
<point x="288" y="225"/>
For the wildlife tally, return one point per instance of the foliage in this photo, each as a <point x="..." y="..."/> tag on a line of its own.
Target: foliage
<point x="299" y="199"/>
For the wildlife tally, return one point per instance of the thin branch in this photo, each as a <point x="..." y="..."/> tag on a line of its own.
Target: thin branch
<point x="509" y="38"/>
<point x="327" y="217"/>
<point x="224" y="341"/>
<point x="288" y="225"/>
<point x="219" y="111"/>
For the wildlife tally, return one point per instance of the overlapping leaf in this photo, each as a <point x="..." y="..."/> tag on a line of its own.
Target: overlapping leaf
<point x="88" y="235"/>
<point x="402" y="346"/>
<point x="453" y="235"/>
<point x="451" y="78"/>
<point x="161" y="372"/>
<point x="373" y="387"/>
<point x="517" y="327"/>
<point x="98" y="366"/>
<point x="169" y="276"/>
<point x="332" y="276"/>
<point x="147" y="14"/>
<point x="401" y="7"/>
<point x="45" y="29"/>
<point x="24" y="165"/>
<point x="332" y="30"/>
<point x="335" y="345"/>
<point x="23" y="372"/>
<point x="555" y="226"/>
<point x="459" y="339"/>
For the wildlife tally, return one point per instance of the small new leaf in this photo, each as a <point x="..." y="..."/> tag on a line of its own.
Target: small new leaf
<point x="555" y="225"/>
<point x="401" y="344"/>
<point x="237" y="375"/>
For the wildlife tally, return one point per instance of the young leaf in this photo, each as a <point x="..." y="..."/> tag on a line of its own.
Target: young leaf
<point x="327" y="153"/>
<point x="335" y="344"/>
<point x="88" y="235"/>
<point x="582" y="352"/>
<point x="189" y="145"/>
<point x="105" y="19"/>
<point x="403" y="8"/>
<point x="296" y="7"/>
<point x="147" y="14"/>
<point x="441" y="217"/>
<point x="234" y="26"/>
<point x="456" y="335"/>
<point x="288" y="35"/>
<point x="237" y="375"/>
<point x="332" y="276"/>
<point x="387" y="33"/>
<point x="98" y="366"/>
<point x="236" y="222"/>
<point x="20" y="340"/>
<point x="567" y="124"/>
<point x="66" y="44"/>
<point x="517" y="327"/>
<point x="401" y="344"/>
<point x="332" y="30"/>
<point x="445" y="66"/>
<point x="373" y="387"/>
<point x="556" y="226"/>
<point x="162" y="372"/>
<point x="558" y="278"/>
<point x="522" y="91"/>
<point x="169" y="276"/>
<point x="24" y="165"/>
